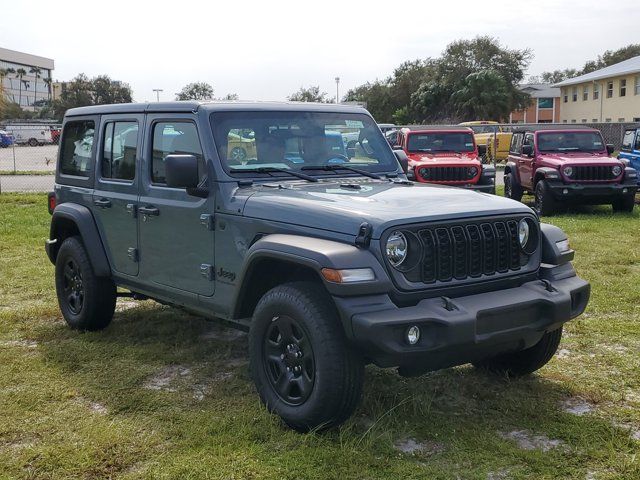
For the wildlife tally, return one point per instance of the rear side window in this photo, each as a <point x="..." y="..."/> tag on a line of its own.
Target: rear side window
<point x="627" y="140"/>
<point x="170" y="138"/>
<point x="119" y="150"/>
<point x="77" y="144"/>
<point x="637" y="147"/>
<point x="516" y="143"/>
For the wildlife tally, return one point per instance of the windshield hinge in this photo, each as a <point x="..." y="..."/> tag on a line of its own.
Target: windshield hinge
<point x="363" y="239"/>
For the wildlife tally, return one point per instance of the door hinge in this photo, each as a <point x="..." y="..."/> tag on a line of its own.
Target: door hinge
<point x="363" y="239"/>
<point x="132" y="253"/>
<point x="206" y="220"/>
<point x="206" y="271"/>
<point x="132" y="210"/>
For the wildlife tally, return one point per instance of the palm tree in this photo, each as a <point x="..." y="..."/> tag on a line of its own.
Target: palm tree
<point x="26" y="88"/>
<point x="11" y="70"/>
<point x="47" y="82"/>
<point x="20" y="73"/>
<point x="36" y="73"/>
<point x="3" y="73"/>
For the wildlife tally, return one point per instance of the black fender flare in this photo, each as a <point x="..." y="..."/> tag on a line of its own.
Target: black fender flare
<point x="315" y="254"/>
<point x="551" y="254"/>
<point x="83" y="219"/>
<point x="512" y="168"/>
<point x="546" y="173"/>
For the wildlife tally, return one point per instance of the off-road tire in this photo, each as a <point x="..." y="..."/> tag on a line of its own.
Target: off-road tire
<point x="545" y="204"/>
<point x="624" y="204"/>
<point x="524" y="362"/>
<point x="511" y="189"/>
<point x="338" y="370"/>
<point x="93" y="308"/>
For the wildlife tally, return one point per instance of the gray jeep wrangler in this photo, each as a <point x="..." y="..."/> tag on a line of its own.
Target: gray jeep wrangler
<point x="312" y="239"/>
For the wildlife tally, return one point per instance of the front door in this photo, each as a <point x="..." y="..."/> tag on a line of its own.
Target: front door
<point x="176" y="229"/>
<point x="115" y="196"/>
<point x="525" y="163"/>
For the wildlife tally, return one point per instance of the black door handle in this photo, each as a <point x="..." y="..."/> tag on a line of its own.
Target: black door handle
<point x="102" y="203"/>
<point x="149" y="210"/>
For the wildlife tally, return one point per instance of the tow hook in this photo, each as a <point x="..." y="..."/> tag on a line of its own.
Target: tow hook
<point x="547" y="285"/>
<point x="448" y="304"/>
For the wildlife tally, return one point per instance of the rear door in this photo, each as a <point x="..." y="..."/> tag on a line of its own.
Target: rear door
<point x="176" y="229"/>
<point x="115" y="198"/>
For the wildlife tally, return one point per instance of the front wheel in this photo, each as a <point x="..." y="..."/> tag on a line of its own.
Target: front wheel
<point x="301" y="363"/>
<point x="87" y="302"/>
<point x="524" y="362"/>
<point x="545" y="204"/>
<point x="624" y="204"/>
<point x="511" y="189"/>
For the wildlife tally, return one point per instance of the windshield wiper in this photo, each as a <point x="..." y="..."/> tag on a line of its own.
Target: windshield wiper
<point x="331" y="168"/>
<point x="308" y="178"/>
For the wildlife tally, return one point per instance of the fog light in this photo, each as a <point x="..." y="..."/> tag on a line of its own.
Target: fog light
<point x="413" y="335"/>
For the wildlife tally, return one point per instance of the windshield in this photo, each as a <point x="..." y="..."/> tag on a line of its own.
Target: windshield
<point x="484" y="128"/>
<point x="260" y="143"/>
<point x="570" y="142"/>
<point x="440" y="142"/>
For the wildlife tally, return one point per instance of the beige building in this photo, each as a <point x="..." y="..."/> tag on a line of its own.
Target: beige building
<point x="26" y="78"/>
<point x="611" y="94"/>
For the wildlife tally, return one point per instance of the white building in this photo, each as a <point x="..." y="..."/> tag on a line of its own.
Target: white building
<point x="26" y="79"/>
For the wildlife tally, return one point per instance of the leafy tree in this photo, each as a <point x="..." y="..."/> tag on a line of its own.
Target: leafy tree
<point x="82" y="91"/>
<point x="483" y="94"/>
<point x="311" y="94"/>
<point x="230" y="96"/>
<point x="196" y="91"/>
<point x="376" y="96"/>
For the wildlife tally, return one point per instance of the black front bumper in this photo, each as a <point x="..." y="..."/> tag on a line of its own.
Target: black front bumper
<point x="465" y="329"/>
<point x="485" y="188"/>
<point x="599" y="191"/>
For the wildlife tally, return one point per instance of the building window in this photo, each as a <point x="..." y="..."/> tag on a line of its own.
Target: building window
<point x="574" y="94"/>
<point x="565" y="98"/>
<point x="609" y="89"/>
<point x="594" y="120"/>
<point x="573" y="120"/>
<point x="564" y="121"/>
<point x="545" y="103"/>
<point x="636" y="88"/>
<point x="596" y="91"/>
<point x="636" y="119"/>
<point x="621" y="119"/>
<point x="607" y="120"/>
<point x="623" y="87"/>
<point x="584" y="120"/>
<point x="585" y="92"/>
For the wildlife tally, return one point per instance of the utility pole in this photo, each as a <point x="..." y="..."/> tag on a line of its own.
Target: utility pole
<point x="158" y="90"/>
<point x="337" y="89"/>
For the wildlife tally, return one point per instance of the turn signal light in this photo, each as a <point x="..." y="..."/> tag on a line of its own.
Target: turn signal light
<point x="350" y="275"/>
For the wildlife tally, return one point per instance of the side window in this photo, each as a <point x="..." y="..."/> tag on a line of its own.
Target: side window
<point x="528" y="139"/>
<point x="76" y="148"/>
<point x="516" y="143"/>
<point x="627" y="140"/>
<point x="637" y="147"/>
<point x="119" y="150"/>
<point x="178" y="138"/>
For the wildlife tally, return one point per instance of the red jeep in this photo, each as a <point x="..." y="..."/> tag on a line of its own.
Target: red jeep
<point x="563" y="166"/>
<point x="447" y="156"/>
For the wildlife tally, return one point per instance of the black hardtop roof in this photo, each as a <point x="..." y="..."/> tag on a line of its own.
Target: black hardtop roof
<point x="195" y="106"/>
<point x="453" y="128"/>
<point x="553" y="128"/>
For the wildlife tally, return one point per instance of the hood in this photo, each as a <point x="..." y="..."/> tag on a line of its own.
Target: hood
<point x="443" y="158"/>
<point x="578" y="158"/>
<point x="342" y="206"/>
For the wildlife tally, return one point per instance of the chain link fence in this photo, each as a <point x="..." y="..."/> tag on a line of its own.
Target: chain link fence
<point x="25" y="168"/>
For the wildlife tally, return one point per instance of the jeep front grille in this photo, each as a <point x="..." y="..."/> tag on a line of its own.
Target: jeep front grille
<point x="592" y="173"/>
<point x="469" y="251"/>
<point x="446" y="174"/>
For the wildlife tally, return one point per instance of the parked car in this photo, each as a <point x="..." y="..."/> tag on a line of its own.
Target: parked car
<point x="630" y="149"/>
<point x="446" y="156"/>
<point x="567" y="166"/>
<point x="329" y="266"/>
<point x="55" y="134"/>
<point x="30" y="134"/>
<point x="6" y="139"/>
<point x="485" y="133"/>
<point x="385" y="127"/>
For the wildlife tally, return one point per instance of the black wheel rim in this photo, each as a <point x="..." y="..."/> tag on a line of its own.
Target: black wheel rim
<point x="72" y="286"/>
<point x="288" y="360"/>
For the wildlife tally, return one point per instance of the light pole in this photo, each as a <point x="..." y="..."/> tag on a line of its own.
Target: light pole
<point x="337" y="89"/>
<point x="158" y="90"/>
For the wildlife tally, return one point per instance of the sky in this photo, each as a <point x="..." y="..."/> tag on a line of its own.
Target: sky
<point x="267" y="50"/>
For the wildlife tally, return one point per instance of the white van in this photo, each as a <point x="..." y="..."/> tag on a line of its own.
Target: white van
<point x="30" y="134"/>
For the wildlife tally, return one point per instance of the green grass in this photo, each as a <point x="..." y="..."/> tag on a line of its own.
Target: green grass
<point x="28" y="172"/>
<point x="74" y="405"/>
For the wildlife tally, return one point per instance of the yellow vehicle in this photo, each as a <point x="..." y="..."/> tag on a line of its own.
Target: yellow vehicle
<point x="241" y="145"/>
<point x="485" y="133"/>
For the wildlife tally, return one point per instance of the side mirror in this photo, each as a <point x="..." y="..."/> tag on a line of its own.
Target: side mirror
<point x="527" y="150"/>
<point x="610" y="148"/>
<point x="482" y="150"/>
<point x="403" y="160"/>
<point x="181" y="171"/>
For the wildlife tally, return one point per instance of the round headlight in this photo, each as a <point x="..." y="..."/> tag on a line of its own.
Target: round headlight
<point x="473" y="171"/>
<point x="523" y="233"/>
<point x="616" y="170"/>
<point x="396" y="248"/>
<point x="568" y="171"/>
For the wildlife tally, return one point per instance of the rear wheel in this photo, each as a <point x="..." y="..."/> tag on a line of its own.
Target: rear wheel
<point x="87" y="302"/>
<point x="33" y="142"/>
<point x="302" y="365"/>
<point x="526" y="361"/>
<point x="511" y="189"/>
<point x="545" y="204"/>
<point x="624" y="204"/>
